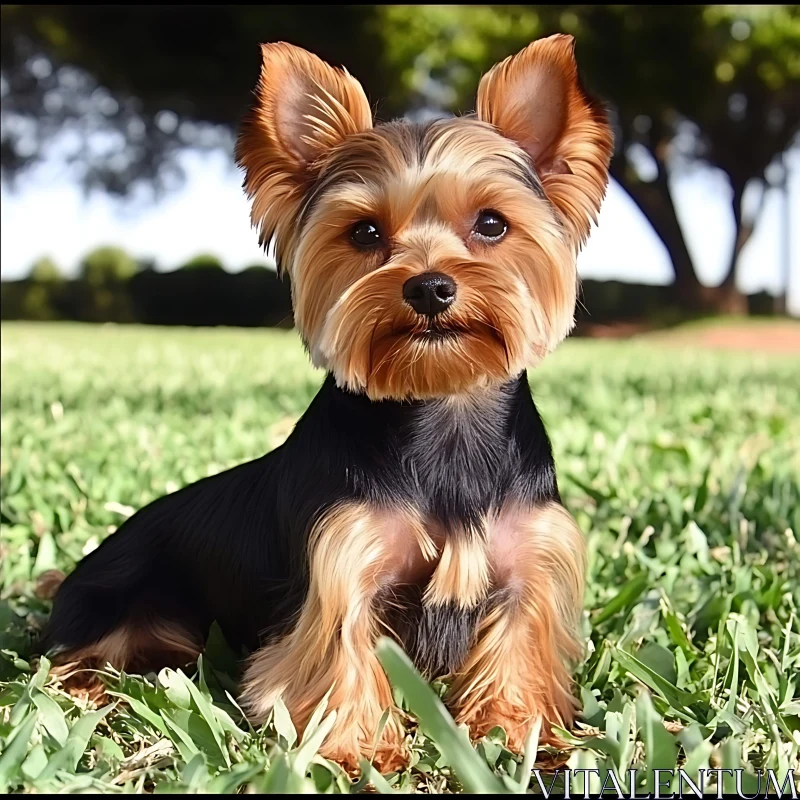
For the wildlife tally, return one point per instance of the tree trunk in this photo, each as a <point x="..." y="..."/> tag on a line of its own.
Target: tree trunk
<point x="655" y="202"/>
<point x="729" y="300"/>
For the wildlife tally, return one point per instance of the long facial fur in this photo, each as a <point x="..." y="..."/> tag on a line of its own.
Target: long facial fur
<point x="537" y="154"/>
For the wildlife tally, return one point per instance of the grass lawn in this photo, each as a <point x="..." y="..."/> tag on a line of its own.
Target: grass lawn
<point x="681" y="465"/>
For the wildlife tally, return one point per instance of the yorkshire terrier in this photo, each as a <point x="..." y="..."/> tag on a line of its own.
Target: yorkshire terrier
<point x="430" y="265"/>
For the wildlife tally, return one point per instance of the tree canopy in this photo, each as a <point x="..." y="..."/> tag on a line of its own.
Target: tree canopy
<point x="153" y="79"/>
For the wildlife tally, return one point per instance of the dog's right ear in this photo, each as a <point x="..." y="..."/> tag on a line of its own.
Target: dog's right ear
<point x="303" y="108"/>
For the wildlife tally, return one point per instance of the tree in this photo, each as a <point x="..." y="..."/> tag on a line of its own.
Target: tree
<point x="107" y="265"/>
<point x="152" y="80"/>
<point x="687" y="84"/>
<point x="731" y="100"/>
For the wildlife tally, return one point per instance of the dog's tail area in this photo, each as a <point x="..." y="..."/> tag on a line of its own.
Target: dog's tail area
<point x="123" y="605"/>
<point x="98" y="595"/>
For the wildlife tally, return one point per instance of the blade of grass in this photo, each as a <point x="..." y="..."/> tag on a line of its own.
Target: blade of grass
<point x="472" y="771"/>
<point x="375" y="778"/>
<point x="529" y="757"/>
<point x="15" y="752"/>
<point x="624" y="598"/>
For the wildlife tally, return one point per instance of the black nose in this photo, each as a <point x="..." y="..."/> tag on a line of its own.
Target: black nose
<point x="429" y="293"/>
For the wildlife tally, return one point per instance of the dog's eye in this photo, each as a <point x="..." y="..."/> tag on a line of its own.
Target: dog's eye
<point x="490" y="225"/>
<point x="365" y="234"/>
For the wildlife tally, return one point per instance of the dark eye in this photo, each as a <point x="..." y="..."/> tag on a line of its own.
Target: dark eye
<point x="365" y="234"/>
<point x="490" y="225"/>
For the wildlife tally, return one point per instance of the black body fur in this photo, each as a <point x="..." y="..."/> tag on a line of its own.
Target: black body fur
<point x="232" y="547"/>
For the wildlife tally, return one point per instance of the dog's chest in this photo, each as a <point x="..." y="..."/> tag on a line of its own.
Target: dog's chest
<point x="457" y="462"/>
<point x="428" y="489"/>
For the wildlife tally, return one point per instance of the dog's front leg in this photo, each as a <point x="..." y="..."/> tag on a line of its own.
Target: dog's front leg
<point x="354" y="552"/>
<point x="517" y="671"/>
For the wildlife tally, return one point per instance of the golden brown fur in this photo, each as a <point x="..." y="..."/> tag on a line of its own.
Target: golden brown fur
<point x="461" y="576"/>
<point x="303" y="107"/>
<point x="314" y="166"/>
<point x="518" y="670"/>
<point x="536" y="99"/>
<point x="137" y="647"/>
<point x="353" y="552"/>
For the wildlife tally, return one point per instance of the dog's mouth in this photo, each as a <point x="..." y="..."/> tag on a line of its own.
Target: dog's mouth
<point x="431" y="331"/>
<point x="441" y="336"/>
<point x="436" y="334"/>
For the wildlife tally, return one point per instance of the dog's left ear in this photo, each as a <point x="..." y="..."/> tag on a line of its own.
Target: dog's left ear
<point x="303" y="108"/>
<point x="535" y="98"/>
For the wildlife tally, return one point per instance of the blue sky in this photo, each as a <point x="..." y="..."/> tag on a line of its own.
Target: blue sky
<point x="49" y="215"/>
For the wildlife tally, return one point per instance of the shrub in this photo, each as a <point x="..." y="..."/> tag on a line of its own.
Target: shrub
<point x="106" y="265"/>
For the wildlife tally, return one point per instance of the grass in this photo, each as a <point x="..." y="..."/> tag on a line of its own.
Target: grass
<point x="681" y="466"/>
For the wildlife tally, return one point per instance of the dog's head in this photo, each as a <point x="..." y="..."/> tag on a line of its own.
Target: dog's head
<point x="427" y="259"/>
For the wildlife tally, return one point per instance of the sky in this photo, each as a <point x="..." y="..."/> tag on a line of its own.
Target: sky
<point x="48" y="214"/>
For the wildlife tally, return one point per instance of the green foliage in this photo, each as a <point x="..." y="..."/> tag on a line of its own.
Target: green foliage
<point x="680" y="465"/>
<point x="200" y="70"/>
<point x="438" y="54"/>
<point x="202" y="292"/>
<point x="665" y="64"/>
<point x="37" y="302"/>
<point x="45" y="270"/>
<point x="204" y="261"/>
<point x="760" y="43"/>
<point x="37" y="298"/>
<point x="107" y="265"/>
<point x="257" y="269"/>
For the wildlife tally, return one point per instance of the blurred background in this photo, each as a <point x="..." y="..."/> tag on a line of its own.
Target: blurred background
<point x="121" y="201"/>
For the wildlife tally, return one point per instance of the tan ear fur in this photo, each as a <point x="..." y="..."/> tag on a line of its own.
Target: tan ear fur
<point x="303" y="108"/>
<point x="535" y="98"/>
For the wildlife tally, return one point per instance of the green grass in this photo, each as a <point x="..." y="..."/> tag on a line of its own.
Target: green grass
<point x="681" y="466"/>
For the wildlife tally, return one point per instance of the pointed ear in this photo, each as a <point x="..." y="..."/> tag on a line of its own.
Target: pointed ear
<point x="303" y="108"/>
<point x="535" y="99"/>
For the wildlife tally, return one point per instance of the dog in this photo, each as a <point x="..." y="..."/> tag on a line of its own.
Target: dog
<point x="431" y="264"/>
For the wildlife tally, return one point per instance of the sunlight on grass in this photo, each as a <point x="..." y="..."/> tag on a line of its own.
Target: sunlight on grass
<point x="681" y="466"/>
